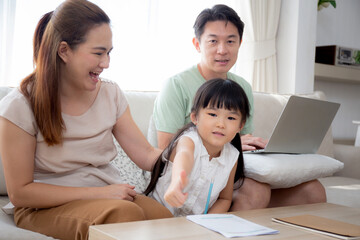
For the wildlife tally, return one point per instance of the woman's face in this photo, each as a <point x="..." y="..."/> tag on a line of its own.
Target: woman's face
<point x="85" y="62"/>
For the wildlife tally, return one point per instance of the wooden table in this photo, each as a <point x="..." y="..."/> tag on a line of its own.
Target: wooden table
<point x="182" y="229"/>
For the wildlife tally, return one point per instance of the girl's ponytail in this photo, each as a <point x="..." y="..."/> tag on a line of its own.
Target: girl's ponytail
<point x="240" y="168"/>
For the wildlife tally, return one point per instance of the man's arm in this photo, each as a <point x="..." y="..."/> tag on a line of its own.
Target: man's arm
<point x="169" y="112"/>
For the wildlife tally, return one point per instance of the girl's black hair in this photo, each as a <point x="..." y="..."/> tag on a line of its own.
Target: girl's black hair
<point x="217" y="93"/>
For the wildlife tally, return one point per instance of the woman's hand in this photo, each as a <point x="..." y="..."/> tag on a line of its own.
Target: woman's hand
<point x="118" y="191"/>
<point x="174" y="195"/>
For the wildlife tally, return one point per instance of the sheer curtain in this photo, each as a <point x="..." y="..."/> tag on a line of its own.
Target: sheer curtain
<point x="22" y="18"/>
<point x="257" y="55"/>
<point x="7" y="22"/>
<point x="152" y="40"/>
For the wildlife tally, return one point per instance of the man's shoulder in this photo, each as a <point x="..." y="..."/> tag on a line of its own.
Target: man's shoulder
<point x="239" y="80"/>
<point x="185" y="78"/>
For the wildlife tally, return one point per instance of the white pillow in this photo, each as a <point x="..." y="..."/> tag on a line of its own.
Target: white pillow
<point x="288" y="170"/>
<point x="129" y="172"/>
<point x="152" y="133"/>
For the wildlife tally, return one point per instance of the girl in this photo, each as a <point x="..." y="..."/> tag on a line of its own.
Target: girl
<point x="56" y="132"/>
<point x="200" y="160"/>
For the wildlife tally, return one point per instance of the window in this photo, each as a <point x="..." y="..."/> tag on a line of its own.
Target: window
<point x="152" y="39"/>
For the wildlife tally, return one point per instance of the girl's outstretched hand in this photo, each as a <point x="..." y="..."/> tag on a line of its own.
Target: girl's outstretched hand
<point x="174" y="194"/>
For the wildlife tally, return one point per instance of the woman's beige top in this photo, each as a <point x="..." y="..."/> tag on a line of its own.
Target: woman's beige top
<point x="88" y="147"/>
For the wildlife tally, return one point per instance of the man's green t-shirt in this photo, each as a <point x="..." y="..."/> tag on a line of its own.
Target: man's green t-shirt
<point x="173" y="104"/>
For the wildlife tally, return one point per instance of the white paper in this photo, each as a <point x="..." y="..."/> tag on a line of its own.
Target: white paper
<point x="230" y="225"/>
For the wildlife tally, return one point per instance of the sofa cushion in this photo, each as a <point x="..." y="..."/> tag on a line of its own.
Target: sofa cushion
<point x="152" y="133"/>
<point x="288" y="170"/>
<point x="342" y="190"/>
<point x="350" y="156"/>
<point x="8" y="229"/>
<point x="141" y="106"/>
<point x="130" y="173"/>
<point x="3" y="92"/>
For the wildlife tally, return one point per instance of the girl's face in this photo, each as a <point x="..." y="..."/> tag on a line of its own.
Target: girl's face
<point x="84" y="63"/>
<point x="216" y="127"/>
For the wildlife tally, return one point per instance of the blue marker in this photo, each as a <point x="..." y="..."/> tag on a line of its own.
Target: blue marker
<point x="208" y="197"/>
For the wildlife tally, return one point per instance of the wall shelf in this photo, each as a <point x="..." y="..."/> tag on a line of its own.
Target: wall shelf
<point x="327" y="72"/>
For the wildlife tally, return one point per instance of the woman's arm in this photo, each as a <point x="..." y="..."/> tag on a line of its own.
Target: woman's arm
<point x="164" y="139"/>
<point x="223" y="203"/>
<point x="134" y="142"/>
<point x="17" y="149"/>
<point x="183" y="162"/>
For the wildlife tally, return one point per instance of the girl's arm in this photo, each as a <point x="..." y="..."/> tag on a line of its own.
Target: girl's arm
<point x="223" y="203"/>
<point x="134" y="142"/>
<point x="17" y="149"/>
<point x="183" y="162"/>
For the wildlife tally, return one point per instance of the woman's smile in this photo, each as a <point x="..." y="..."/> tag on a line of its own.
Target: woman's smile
<point x="95" y="76"/>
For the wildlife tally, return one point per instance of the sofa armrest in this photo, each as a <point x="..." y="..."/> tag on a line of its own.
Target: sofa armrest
<point x="350" y="156"/>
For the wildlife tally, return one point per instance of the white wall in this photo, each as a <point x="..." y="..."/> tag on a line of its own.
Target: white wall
<point x="340" y="26"/>
<point x="347" y="94"/>
<point x="301" y="28"/>
<point x="296" y="46"/>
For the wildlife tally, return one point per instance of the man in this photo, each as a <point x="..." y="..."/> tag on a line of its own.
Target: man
<point x="218" y="36"/>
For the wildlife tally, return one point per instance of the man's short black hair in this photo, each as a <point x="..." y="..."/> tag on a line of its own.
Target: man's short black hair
<point x="218" y="12"/>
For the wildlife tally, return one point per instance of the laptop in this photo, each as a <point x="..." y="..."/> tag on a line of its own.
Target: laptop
<point x="301" y="127"/>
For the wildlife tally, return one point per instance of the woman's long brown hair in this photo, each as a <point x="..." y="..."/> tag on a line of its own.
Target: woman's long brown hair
<point x="70" y="23"/>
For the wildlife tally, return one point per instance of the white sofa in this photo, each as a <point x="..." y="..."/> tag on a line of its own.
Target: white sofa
<point x="342" y="188"/>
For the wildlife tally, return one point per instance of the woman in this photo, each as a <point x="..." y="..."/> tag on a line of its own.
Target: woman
<point x="56" y="132"/>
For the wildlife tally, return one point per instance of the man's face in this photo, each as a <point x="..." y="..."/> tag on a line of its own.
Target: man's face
<point x="219" y="45"/>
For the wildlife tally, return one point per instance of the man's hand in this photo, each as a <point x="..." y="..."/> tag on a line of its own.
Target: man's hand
<point x="249" y="142"/>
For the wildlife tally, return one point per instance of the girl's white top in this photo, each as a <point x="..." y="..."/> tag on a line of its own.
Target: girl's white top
<point x="205" y="171"/>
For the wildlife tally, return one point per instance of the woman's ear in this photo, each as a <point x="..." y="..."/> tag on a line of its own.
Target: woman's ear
<point x="196" y="44"/>
<point x="63" y="51"/>
<point x="193" y="118"/>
